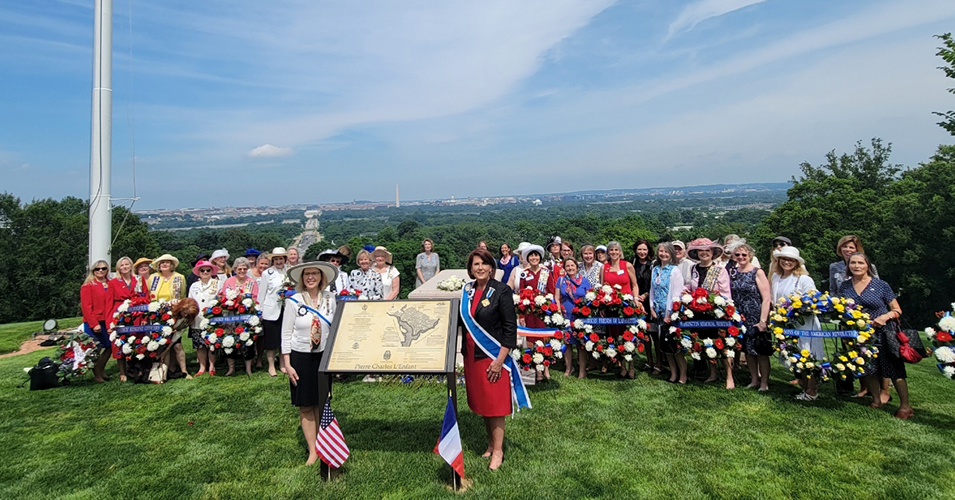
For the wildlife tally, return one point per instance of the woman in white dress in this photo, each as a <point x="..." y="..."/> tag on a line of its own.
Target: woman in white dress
<point x="789" y="276"/>
<point x="204" y="292"/>
<point x="389" y="275"/>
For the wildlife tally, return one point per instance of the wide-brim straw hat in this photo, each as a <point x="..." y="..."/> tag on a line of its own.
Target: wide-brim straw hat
<point x="532" y="248"/>
<point x="601" y="248"/>
<point x="204" y="263"/>
<point x="278" y="252"/>
<point x="520" y="247"/>
<point x="381" y="249"/>
<point x="345" y="250"/>
<point x="702" y="244"/>
<point x="329" y="271"/>
<point x="140" y="261"/>
<point x="789" y="252"/>
<point x="165" y="256"/>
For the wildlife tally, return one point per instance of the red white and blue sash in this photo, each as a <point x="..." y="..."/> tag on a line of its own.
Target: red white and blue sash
<point x="492" y="348"/>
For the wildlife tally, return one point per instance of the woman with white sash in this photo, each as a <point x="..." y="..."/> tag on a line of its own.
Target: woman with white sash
<point x="490" y="374"/>
<point x="306" y="321"/>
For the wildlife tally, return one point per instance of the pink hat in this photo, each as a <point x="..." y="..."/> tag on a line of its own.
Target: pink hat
<point x="204" y="263"/>
<point x="703" y="244"/>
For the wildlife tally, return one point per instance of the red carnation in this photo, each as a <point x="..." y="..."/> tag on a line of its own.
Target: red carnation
<point x="526" y="358"/>
<point x="600" y="348"/>
<point x="216" y="310"/>
<point x="733" y="331"/>
<point x="548" y="351"/>
<point x="697" y="347"/>
<point x="641" y="336"/>
<point x="585" y="311"/>
<point x="575" y="310"/>
<point x="718" y="343"/>
<point x="628" y="311"/>
<point x="538" y="348"/>
<point x="943" y="337"/>
<point x="219" y="331"/>
<point x="239" y="329"/>
<point x="639" y="347"/>
<point x="610" y="340"/>
<point x="627" y="336"/>
<point x="676" y="305"/>
<point x="553" y="307"/>
<point x="546" y="362"/>
<point x="241" y="309"/>
<point x="594" y="337"/>
<point x="730" y="310"/>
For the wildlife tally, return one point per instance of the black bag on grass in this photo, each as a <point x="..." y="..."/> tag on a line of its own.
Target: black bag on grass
<point x="44" y="375"/>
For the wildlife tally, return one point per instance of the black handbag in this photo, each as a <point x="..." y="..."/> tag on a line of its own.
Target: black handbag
<point x="915" y="342"/>
<point x="763" y="343"/>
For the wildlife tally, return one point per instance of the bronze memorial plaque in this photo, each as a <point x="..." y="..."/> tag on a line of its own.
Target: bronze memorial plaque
<point x="405" y="336"/>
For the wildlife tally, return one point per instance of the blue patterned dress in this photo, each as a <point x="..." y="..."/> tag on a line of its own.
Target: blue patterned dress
<point x="749" y="303"/>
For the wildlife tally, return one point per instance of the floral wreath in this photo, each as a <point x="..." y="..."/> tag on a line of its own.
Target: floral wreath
<point x="544" y="306"/>
<point x="694" y="311"/>
<point x="607" y="303"/>
<point x="76" y="353"/>
<point x="852" y="325"/>
<point x="944" y="342"/>
<point x="231" y="323"/>
<point x="142" y="327"/>
<point x="540" y="354"/>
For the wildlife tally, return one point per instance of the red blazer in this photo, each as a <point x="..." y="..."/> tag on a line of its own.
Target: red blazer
<point x="97" y="303"/>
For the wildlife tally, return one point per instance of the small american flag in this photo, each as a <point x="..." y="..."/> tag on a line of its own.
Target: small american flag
<point x="330" y="443"/>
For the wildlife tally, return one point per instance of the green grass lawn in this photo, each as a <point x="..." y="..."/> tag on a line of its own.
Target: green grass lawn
<point x="238" y="437"/>
<point x="14" y="334"/>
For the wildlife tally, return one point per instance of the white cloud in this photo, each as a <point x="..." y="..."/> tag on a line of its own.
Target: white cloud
<point x="270" y="151"/>
<point x="698" y="12"/>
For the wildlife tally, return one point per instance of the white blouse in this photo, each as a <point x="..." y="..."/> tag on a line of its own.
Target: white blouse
<point x="204" y="295"/>
<point x="781" y="287"/>
<point x="297" y="322"/>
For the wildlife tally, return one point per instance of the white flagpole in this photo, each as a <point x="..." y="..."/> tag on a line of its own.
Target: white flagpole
<point x="101" y="136"/>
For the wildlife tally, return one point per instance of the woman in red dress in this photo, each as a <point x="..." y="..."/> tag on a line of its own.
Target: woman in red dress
<point x="488" y="386"/>
<point x="124" y="287"/>
<point x="619" y="272"/>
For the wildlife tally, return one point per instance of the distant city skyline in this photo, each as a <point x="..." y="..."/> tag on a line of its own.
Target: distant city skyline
<point x="242" y="102"/>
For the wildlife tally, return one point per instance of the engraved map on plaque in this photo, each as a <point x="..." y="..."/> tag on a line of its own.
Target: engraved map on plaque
<point x="408" y="335"/>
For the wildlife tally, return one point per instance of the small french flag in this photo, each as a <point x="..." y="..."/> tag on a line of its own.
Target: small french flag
<point x="449" y="444"/>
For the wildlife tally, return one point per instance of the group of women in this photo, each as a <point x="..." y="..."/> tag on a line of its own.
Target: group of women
<point x="298" y="326"/>
<point x="658" y="277"/>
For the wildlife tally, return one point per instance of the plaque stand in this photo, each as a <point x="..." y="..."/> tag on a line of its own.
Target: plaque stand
<point x="448" y="369"/>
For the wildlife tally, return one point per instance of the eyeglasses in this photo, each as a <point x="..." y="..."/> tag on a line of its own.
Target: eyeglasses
<point x="779" y="244"/>
<point x="101" y="269"/>
<point x="740" y="255"/>
<point x="205" y="270"/>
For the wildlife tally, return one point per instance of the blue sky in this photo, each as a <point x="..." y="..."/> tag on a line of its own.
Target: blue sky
<point x="247" y="102"/>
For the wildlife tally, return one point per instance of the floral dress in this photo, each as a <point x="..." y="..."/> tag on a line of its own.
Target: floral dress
<point x="749" y="303"/>
<point x="367" y="283"/>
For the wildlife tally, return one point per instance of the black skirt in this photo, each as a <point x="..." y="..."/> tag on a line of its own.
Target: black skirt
<point x="313" y="387"/>
<point x="272" y="333"/>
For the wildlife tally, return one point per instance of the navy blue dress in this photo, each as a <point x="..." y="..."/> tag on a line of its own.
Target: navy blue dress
<point x="749" y="303"/>
<point x="875" y="300"/>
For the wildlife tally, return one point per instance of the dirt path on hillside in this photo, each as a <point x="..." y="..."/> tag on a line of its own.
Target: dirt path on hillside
<point x="29" y="346"/>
